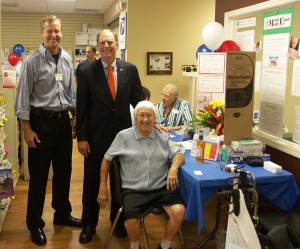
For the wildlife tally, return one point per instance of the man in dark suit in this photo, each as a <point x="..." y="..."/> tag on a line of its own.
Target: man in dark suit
<point x="100" y="117"/>
<point x="91" y="53"/>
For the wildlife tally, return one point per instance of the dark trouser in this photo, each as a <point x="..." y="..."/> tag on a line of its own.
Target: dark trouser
<point x="91" y="183"/>
<point x="55" y="134"/>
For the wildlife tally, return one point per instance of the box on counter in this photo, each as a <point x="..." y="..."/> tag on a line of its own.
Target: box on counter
<point x="250" y="146"/>
<point x="272" y="167"/>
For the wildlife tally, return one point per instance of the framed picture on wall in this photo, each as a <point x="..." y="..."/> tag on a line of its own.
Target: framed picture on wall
<point x="159" y="63"/>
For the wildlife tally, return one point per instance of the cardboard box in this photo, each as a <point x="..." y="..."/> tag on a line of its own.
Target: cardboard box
<point x="240" y="73"/>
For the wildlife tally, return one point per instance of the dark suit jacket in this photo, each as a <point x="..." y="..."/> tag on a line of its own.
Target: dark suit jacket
<point x="99" y="118"/>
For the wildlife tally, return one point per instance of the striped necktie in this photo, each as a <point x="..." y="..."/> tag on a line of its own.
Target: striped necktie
<point x="111" y="81"/>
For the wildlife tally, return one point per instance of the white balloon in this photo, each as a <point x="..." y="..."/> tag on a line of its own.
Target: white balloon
<point x="213" y="35"/>
<point x="18" y="67"/>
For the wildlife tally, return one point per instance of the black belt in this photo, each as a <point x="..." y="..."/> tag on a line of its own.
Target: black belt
<point x="48" y="114"/>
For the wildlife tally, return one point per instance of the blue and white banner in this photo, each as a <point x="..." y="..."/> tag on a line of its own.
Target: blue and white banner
<point x="122" y="26"/>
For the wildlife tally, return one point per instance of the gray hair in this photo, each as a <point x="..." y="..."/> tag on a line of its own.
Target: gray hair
<point x="145" y="104"/>
<point x="173" y="89"/>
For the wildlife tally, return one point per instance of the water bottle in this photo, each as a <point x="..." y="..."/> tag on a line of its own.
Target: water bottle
<point x="224" y="154"/>
<point x="236" y="157"/>
<point x="194" y="145"/>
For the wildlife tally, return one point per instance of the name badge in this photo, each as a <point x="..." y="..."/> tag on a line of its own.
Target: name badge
<point x="175" y="111"/>
<point x="58" y="77"/>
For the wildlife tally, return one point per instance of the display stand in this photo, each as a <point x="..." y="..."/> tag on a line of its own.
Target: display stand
<point x="8" y="166"/>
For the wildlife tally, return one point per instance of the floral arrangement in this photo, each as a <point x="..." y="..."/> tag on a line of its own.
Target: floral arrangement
<point x="2" y="99"/>
<point x="212" y="116"/>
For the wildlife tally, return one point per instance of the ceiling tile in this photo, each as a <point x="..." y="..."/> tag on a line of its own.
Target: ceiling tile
<point x="56" y="6"/>
<point x="61" y="7"/>
<point x="90" y="4"/>
<point x="32" y="5"/>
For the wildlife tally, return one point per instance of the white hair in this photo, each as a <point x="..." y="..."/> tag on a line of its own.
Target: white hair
<point x="172" y="88"/>
<point x="145" y="104"/>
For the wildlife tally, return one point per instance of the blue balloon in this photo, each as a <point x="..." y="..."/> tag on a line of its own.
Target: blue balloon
<point x="202" y="49"/>
<point x="18" y="49"/>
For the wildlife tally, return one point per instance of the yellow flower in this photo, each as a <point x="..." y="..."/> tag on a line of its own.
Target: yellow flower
<point x="2" y="100"/>
<point x="216" y="103"/>
<point x="212" y="116"/>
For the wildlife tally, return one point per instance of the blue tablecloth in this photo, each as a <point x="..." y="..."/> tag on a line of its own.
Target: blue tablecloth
<point x="280" y="189"/>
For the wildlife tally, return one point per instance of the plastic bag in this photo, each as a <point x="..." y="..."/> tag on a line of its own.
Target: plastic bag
<point x="241" y="233"/>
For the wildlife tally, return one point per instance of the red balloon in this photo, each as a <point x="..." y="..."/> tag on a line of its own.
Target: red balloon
<point x="228" y="45"/>
<point x="13" y="59"/>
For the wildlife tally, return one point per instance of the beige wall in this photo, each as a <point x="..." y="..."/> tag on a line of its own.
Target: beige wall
<point x="166" y="26"/>
<point x="110" y="15"/>
<point x="25" y="28"/>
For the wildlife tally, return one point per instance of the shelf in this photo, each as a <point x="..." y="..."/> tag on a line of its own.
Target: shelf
<point x="286" y="146"/>
<point x="190" y="74"/>
<point x="4" y="205"/>
<point x="7" y="160"/>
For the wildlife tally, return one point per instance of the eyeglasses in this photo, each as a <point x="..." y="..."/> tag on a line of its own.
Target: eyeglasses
<point x="145" y="115"/>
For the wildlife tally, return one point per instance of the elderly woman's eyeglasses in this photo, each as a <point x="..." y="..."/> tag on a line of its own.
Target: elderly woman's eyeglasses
<point x="145" y="115"/>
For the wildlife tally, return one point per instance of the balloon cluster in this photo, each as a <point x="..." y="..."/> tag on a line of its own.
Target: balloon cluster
<point x="14" y="58"/>
<point x="213" y="37"/>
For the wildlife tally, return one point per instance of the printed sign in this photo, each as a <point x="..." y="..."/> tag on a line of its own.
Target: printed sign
<point x="280" y="21"/>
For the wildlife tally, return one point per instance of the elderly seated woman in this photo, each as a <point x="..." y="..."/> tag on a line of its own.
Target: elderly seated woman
<point x="146" y="178"/>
